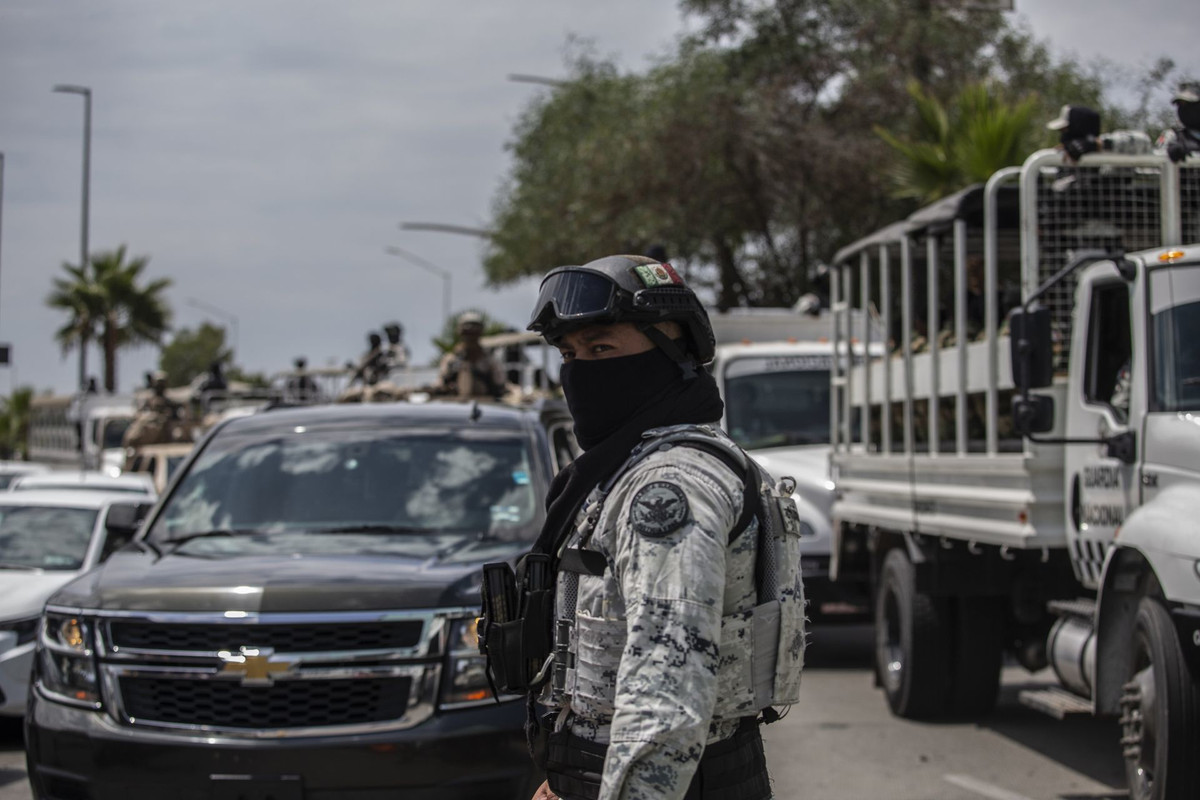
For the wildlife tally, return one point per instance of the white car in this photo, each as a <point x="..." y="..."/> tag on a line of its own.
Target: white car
<point x="78" y="480"/>
<point x="48" y="539"/>
<point x="11" y="470"/>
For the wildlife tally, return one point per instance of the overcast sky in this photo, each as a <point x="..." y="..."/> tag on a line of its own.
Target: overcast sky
<point x="262" y="153"/>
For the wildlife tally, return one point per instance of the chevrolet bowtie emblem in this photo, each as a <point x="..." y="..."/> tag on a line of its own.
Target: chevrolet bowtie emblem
<point x="255" y="665"/>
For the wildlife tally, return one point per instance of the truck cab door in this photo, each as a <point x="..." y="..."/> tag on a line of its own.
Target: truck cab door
<point x="1101" y="486"/>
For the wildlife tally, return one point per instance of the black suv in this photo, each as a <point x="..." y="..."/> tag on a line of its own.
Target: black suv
<point x="296" y="618"/>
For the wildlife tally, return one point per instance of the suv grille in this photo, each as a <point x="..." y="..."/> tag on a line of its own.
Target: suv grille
<point x="275" y="674"/>
<point x="308" y="638"/>
<point x="286" y="704"/>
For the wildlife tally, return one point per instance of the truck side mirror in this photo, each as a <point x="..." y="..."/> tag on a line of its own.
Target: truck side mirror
<point x="1032" y="350"/>
<point x="1033" y="414"/>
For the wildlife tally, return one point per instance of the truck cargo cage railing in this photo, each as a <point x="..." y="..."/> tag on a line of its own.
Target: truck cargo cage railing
<point x="941" y="390"/>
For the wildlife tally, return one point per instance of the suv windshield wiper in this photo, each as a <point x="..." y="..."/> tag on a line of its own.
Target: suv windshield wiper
<point x="7" y="565"/>
<point x="370" y="528"/>
<point x="187" y="537"/>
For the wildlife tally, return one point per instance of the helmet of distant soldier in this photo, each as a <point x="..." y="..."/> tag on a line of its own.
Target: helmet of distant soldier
<point x="1187" y="104"/>
<point x="1075" y="122"/>
<point x="471" y="323"/>
<point x="621" y="288"/>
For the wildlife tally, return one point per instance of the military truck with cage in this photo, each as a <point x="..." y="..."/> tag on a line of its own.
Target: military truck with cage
<point x="1022" y="475"/>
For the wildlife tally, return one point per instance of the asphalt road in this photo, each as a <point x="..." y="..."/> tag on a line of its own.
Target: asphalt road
<point x="840" y="743"/>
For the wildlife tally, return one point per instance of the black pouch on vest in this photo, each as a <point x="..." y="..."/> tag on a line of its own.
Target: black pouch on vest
<point x="515" y="630"/>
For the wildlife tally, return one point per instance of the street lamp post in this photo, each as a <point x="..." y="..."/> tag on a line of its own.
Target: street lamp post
<point x="445" y="275"/>
<point x="1" y="198"/>
<point x="443" y="227"/>
<point x="538" y="79"/>
<point x="83" y="223"/>
<point x="227" y="315"/>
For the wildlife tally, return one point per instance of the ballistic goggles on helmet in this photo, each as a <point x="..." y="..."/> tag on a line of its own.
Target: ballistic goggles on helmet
<point x="574" y="296"/>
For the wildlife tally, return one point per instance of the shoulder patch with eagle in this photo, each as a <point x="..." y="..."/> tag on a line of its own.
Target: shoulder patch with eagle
<point x="658" y="509"/>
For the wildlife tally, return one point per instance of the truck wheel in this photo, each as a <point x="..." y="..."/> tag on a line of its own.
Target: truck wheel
<point x="978" y="655"/>
<point x="1160" y="713"/>
<point x="911" y="642"/>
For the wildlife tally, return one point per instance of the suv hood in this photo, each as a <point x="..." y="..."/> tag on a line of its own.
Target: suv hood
<point x="138" y="579"/>
<point x="25" y="592"/>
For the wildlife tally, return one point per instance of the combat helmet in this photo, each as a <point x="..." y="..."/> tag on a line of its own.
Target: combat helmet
<point x="632" y="289"/>
<point x="1187" y="104"/>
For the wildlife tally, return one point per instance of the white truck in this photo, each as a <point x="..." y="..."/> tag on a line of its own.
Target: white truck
<point x="80" y="430"/>
<point x="1055" y="517"/>
<point x="772" y="367"/>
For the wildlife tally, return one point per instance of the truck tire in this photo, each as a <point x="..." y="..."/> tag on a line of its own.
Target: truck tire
<point x="911" y="642"/>
<point x="978" y="655"/>
<point x="1160" y="712"/>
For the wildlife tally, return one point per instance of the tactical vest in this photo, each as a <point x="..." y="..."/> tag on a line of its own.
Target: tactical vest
<point x="525" y="646"/>
<point x="774" y="626"/>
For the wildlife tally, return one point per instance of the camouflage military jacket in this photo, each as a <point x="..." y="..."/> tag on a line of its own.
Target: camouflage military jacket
<point x="659" y="644"/>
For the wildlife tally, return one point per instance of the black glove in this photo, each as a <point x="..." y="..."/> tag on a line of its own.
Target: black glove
<point x="1077" y="148"/>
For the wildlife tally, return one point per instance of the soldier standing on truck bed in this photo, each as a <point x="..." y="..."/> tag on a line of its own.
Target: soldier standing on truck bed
<point x="1079" y="134"/>
<point x="159" y="419"/>
<point x="468" y="370"/>
<point x="1184" y="139"/>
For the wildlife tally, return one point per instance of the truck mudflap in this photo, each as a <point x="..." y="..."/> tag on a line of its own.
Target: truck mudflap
<point x="1187" y="624"/>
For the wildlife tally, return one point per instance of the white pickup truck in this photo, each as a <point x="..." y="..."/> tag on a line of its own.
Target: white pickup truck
<point x="1031" y="485"/>
<point x="777" y="407"/>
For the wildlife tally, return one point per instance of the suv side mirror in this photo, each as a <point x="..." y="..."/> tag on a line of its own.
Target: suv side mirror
<point x="1032" y="351"/>
<point x="1033" y="414"/>
<point x="121" y="524"/>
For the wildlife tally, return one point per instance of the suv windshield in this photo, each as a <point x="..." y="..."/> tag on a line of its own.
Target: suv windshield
<point x="775" y="402"/>
<point x="45" y="537"/>
<point x="378" y="485"/>
<point x="1176" y="348"/>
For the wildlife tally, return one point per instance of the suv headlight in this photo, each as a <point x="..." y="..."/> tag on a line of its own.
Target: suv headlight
<point x="466" y="682"/>
<point x="67" y="661"/>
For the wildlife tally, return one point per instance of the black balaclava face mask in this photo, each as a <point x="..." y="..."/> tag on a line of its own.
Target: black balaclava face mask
<point x="604" y="393"/>
<point x="1189" y="115"/>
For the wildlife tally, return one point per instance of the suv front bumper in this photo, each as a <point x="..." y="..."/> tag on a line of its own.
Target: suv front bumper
<point x="468" y="754"/>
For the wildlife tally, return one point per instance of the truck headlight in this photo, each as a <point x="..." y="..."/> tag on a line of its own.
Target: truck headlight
<point x="466" y="682"/>
<point x="67" y="661"/>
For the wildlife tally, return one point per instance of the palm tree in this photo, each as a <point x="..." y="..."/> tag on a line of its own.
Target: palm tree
<point x="14" y="423"/>
<point x="80" y="298"/>
<point x="952" y="147"/>
<point x="107" y="303"/>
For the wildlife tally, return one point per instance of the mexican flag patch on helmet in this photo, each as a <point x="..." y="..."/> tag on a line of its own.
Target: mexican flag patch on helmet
<point x="653" y="275"/>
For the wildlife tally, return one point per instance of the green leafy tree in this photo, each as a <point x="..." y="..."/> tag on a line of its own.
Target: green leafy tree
<point x="750" y="152"/>
<point x="956" y="146"/>
<point x="14" y="424"/>
<point x="192" y="352"/>
<point x="107" y="301"/>
<point x="256" y="380"/>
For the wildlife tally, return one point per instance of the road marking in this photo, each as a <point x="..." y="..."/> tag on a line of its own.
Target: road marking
<point x="982" y="788"/>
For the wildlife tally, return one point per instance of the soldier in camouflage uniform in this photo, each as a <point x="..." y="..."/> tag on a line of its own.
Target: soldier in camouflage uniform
<point x="1182" y="141"/>
<point x="650" y="693"/>
<point x="468" y="370"/>
<point x="1079" y="134"/>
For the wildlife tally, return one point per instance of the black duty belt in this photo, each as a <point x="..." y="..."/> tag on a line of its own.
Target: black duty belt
<point x="731" y="769"/>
